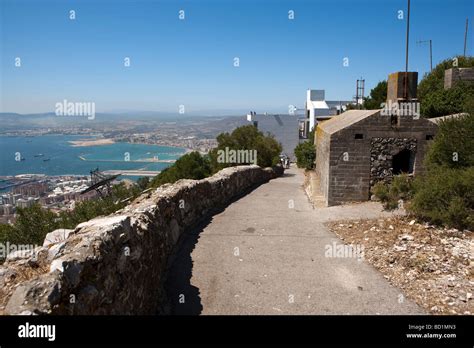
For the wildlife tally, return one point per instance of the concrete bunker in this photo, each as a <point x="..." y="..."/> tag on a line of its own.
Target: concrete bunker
<point x="358" y="148"/>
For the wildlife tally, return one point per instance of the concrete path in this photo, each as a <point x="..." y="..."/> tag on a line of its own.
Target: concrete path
<point x="265" y="254"/>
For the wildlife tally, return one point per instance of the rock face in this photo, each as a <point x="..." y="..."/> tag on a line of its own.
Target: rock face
<point x="57" y="236"/>
<point x="116" y="264"/>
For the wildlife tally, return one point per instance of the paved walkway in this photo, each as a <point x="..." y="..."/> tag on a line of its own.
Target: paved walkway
<point x="265" y="254"/>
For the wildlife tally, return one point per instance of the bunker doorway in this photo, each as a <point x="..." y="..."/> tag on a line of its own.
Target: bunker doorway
<point x="403" y="162"/>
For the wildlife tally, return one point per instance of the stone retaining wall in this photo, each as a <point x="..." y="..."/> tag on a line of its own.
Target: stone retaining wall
<point x="115" y="264"/>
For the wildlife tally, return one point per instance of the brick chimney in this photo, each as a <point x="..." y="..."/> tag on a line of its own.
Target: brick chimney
<point x="396" y="86"/>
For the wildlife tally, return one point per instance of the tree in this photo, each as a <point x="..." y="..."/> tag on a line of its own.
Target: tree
<point x="378" y="95"/>
<point x="434" y="80"/>
<point x="446" y="102"/>
<point x="190" y="166"/>
<point x="7" y="234"/>
<point x="32" y="225"/>
<point x="87" y="210"/>
<point x="247" y="138"/>
<point x="143" y="182"/>
<point x="435" y="100"/>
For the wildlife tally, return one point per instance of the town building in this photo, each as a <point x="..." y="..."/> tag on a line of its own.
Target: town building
<point x="26" y="203"/>
<point x="291" y="129"/>
<point x="8" y="209"/>
<point x="35" y="189"/>
<point x="7" y="199"/>
<point x="318" y="109"/>
<point x="283" y="127"/>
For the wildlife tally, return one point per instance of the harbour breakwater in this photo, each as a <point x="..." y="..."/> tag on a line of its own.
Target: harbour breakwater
<point x="145" y="160"/>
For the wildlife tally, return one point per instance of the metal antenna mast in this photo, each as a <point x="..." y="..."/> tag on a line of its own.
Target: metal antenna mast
<point x="431" y="51"/>
<point x="465" y="37"/>
<point x="360" y="91"/>
<point x="405" y="91"/>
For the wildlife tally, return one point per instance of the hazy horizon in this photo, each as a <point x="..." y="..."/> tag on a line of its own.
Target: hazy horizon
<point x="190" y="61"/>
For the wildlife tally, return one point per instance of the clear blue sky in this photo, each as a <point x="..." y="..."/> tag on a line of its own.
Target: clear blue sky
<point x="190" y="62"/>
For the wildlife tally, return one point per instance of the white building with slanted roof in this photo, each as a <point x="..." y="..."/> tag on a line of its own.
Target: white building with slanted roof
<point x="319" y="109"/>
<point x="315" y="106"/>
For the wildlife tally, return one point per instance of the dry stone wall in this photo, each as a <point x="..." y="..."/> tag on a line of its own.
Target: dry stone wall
<point x="381" y="155"/>
<point x="116" y="264"/>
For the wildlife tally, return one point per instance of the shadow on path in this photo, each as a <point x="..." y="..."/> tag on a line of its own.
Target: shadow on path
<point x="183" y="298"/>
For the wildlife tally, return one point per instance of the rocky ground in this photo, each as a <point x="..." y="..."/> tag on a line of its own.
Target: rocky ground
<point x="23" y="265"/>
<point x="14" y="275"/>
<point x="433" y="266"/>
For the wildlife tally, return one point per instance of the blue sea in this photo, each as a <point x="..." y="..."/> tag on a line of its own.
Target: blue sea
<point x="60" y="158"/>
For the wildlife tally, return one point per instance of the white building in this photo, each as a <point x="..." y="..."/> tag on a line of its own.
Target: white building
<point x="315" y="106"/>
<point x="8" y="209"/>
<point x="319" y="109"/>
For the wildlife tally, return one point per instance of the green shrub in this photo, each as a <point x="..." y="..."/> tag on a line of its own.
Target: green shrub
<point x="401" y="188"/>
<point x="453" y="145"/>
<point x="8" y="233"/>
<point x="446" y="102"/>
<point x="247" y="138"/>
<point x="143" y="182"/>
<point x="31" y="226"/>
<point x="381" y="190"/>
<point x="445" y="196"/>
<point x="434" y="80"/>
<point x="305" y="155"/>
<point x="33" y="223"/>
<point x="306" y="152"/>
<point x="190" y="166"/>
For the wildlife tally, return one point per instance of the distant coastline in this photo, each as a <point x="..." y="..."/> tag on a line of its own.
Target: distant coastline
<point x="85" y="143"/>
<point x="70" y="154"/>
<point x="109" y="141"/>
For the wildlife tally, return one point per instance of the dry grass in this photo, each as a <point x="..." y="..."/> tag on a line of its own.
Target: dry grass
<point x="17" y="274"/>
